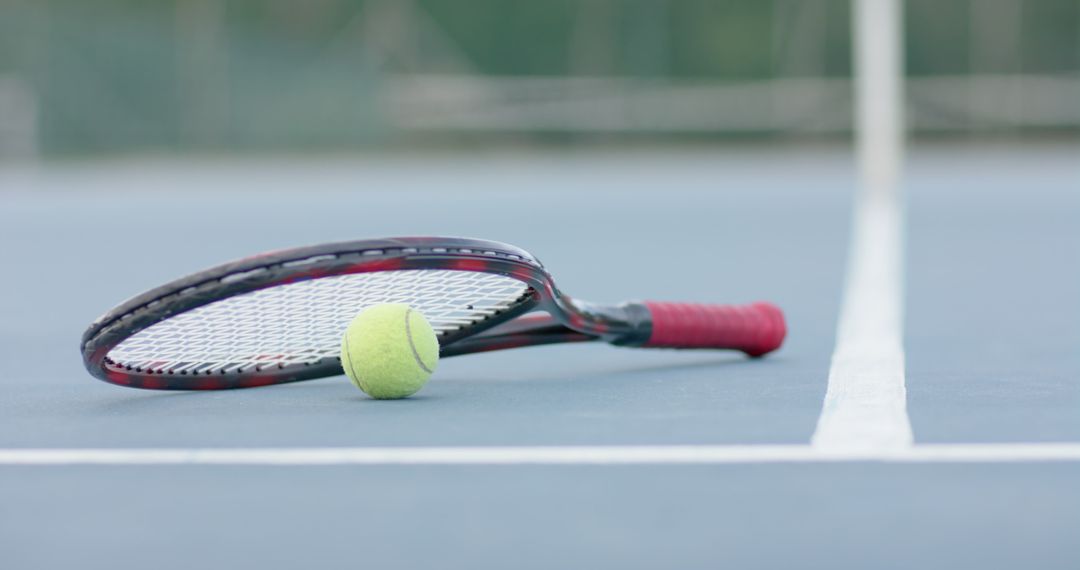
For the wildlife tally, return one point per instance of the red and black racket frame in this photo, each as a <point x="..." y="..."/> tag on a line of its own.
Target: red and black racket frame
<point x="562" y="319"/>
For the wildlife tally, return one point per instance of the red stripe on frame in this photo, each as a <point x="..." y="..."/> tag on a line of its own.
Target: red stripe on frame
<point x="152" y="383"/>
<point x="118" y="377"/>
<point x="469" y="265"/>
<point x="256" y="381"/>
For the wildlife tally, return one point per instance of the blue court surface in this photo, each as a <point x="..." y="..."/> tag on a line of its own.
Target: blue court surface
<point x="965" y="455"/>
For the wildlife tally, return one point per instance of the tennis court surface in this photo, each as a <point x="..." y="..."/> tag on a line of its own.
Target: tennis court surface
<point x="561" y="456"/>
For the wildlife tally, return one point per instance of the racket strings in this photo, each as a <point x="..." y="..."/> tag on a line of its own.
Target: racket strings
<point x="302" y="323"/>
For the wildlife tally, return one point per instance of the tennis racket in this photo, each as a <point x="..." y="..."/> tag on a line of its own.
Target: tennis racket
<point x="278" y="317"/>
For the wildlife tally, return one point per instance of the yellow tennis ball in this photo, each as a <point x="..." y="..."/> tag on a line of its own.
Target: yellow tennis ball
<point x="389" y="351"/>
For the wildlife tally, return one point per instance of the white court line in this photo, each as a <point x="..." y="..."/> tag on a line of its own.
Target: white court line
<point x="866" y="400"/>
<point x="583" y="455"/>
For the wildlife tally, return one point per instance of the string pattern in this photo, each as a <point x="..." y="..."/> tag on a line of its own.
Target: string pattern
<point x="302" y="323"/>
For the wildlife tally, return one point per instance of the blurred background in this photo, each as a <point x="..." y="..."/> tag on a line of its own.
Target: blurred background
<point x="108" y="77"/>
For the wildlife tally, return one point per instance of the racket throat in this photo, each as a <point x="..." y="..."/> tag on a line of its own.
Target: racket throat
<point x="628" y="324"/>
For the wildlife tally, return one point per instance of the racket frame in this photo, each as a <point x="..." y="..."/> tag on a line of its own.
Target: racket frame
<point x="567" y="320"/>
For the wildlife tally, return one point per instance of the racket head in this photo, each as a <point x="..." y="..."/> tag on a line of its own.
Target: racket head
<point x="215" y="329"/>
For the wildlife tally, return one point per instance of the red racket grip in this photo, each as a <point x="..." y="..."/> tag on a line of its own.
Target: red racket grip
<point x="755" y="329"/>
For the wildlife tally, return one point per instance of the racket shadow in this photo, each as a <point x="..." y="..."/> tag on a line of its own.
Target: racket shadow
<point x="336" y="391"/>
<point x="729" y="362"/>
<point x="332" y="391"/>
<point x="725" y="362"/>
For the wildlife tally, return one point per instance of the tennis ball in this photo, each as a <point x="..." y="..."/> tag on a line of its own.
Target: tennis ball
<point x="389" y="351"/>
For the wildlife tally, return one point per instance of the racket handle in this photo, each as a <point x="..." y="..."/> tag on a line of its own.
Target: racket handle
<point x="755" y="329"/>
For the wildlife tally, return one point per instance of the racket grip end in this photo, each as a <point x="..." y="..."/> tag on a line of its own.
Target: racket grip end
<point x="756" y="329"/>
